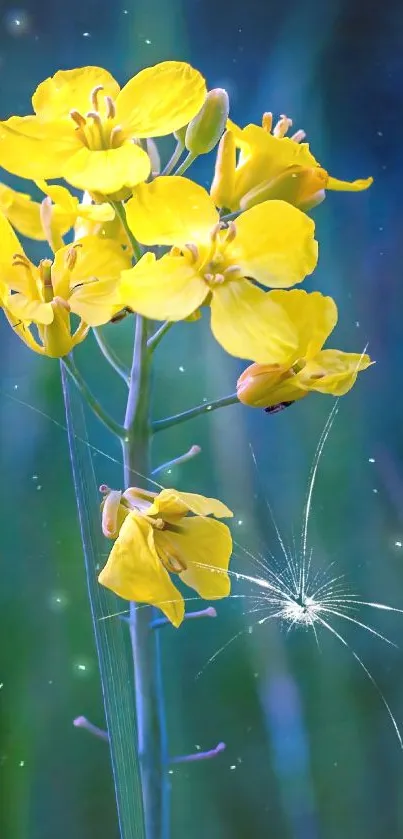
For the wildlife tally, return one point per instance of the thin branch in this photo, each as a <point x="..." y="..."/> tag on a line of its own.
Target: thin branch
<point x="199" y="755"/>
<point x="174" y="159"/>
<point x="153" y="342"/>
<point x="111" y="424"/>
<point x="190" y="157"/>
<point x="82" y="722"/>
<point x="120" y="211"/>
<point x="161" y="425"/>
<point x="111" y="356"/>
<point x="193" y="451"/>
<point x="209" y="612"/>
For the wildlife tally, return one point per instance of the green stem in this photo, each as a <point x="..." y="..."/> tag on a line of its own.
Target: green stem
<point x="161" y="425"/>
<point x="152" y="738"/>
<point x="111" y="424"/>
<point x="162" y="330"/>
<point x="120" y="211"/>
<point x="111" y="643"/>
<point x="190" y="157"/>
<point x="111" y="356"/>
<point x="174" y="159"/>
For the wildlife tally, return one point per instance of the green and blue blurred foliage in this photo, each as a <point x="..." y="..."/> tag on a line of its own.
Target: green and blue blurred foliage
<point x="311" y="752"/>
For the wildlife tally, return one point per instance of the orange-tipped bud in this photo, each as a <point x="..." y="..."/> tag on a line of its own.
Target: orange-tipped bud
<point x="297" y="186"/>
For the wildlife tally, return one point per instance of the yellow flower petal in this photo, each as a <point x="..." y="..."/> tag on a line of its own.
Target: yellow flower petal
<point x="9" y="244"/>
<point x="333" y="371"/>
<point x="30" y="310"/>
<point x="135" y="572"/>
<point x="205" y="547"/>
<point x="22" y="212"/>
<point x="248" y="324"/>
<point x="96" y="302"/>
<point x="171" y="211"/>
<point x="160" y="99"/>
<point x="170" y="502"/>
<point x="274" y="244"/>
<point x="108" y="170"/>
<point x="349" y="186"/>
<point x="95" y="258"/>
<point x="163" y="289"/>
<point x="35" y="150"/>
<point x="71" y="90"/>
<point x="314" y="317"/>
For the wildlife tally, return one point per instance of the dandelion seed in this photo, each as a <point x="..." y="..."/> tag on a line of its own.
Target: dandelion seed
<point x="299" y="596"/>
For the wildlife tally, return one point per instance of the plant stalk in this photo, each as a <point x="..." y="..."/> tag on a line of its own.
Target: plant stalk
<point x="152" y="737"/>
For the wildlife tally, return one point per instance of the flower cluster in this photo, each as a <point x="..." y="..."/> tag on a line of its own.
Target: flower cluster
<point x="144" y="239"/>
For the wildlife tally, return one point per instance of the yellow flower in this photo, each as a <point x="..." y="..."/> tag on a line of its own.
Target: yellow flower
<point x="271" y="166"/>
<point x="83" y="279"/>
<point x="309" y="368"/>
<point x="85" y="129"/>
<point x="273" y="244"/>
<point x="160" y="535"/>
<point x="28" y="217"/>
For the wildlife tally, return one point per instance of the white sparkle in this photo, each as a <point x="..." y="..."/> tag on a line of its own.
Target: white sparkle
<point x="1" y="685"/>
<point x="398" y="544"/>
<point x="371" y="460"/>
<point x="39" y="487"/>
<point x="181" y="369"/>
<point x="86" y="35"/>
<point x="233" y="766"/>
<point x="21" y="763"/>
<point x="375" y="491"/>
<point x="81" y="667"/>
<point x="147" y="41"/>
<point x="240" y="521"/>
<point x="169" y="471"/>
<point x="15" y="387"/>
<point x="208" y="408"/>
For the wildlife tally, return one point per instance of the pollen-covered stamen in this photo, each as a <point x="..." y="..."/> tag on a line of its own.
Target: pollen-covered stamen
<point x="115" y="137"/>
<point x="267" y="121"/>
<point x="19" y="259"/>
<point x="71" y="256"/>
<point x="60" y="301"/>
<point x="171" y="559"/>
<point x="231" y="271"/>
<point x="78" y="118"/>
<point x="94" y="96"/>
<point x="231" y="233"/>
<point x="298" y="136"/>
<point x="110" y="107"/>
<point x="193" y="251"/>
<point x="282" y="126"/>
<point x="215" y="231"/>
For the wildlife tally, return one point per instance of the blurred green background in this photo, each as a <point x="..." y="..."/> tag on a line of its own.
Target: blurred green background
<point x="311" y="752"/>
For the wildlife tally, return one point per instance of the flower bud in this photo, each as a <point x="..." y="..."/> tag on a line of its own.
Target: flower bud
<point x="180" y="134"/>
<point x="297" y="186"/>
<point x="206" y="128"/>
<point x="223" y="185"/>
<point x="256" y="382"/>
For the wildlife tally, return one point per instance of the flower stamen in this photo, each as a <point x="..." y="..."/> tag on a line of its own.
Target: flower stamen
<point x="110" y="107"/>
<point x="78" y="118"/>
<point x="94" y="96"/>
<point x="194" y="252"/>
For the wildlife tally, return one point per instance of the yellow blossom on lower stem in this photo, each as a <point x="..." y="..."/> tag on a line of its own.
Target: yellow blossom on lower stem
<point x="309" y="368"/>
<point x="213" y="264"/>
<point x="162" y="536"/>
<point x="83" y="279"/>
<point x="28" y="217"/>
<point x="260" y="163"/>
